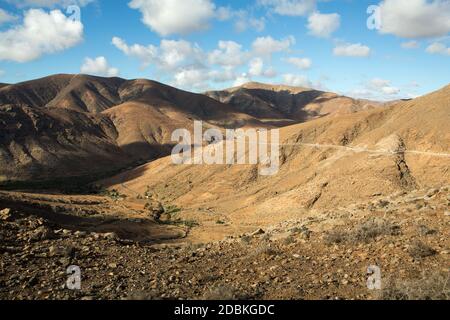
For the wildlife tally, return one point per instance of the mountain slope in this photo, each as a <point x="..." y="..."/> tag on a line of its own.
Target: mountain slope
<point x="325" y="163"/>
<point x="292" y="104"/>
<point x="68" y="125"/>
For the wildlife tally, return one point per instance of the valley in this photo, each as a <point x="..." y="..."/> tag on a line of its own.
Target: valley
<point x="87" y="180"/>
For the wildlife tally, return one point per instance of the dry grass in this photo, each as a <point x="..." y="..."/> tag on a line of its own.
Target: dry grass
<point x="220" y="293"/>
<point x="364" y="232"/>
<point x="434" y="286"/>
<point x="419" y="250"/>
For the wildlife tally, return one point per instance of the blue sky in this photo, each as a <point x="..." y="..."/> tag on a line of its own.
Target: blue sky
<point x="199" y="45"/>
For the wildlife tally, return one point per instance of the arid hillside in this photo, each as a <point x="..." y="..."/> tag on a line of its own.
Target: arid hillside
<point x="288" y="104"/>
<point x="71" y="125"/>
<point x="325" y="163"/>
<point x="354" y="189"/>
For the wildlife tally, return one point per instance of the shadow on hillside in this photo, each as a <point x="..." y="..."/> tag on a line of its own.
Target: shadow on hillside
<point x="143" y="231"/>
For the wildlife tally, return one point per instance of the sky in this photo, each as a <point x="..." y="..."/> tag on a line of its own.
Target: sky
<point x="381" y="50"/>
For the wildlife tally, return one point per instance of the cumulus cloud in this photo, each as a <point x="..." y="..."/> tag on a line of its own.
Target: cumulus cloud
<point x="244" y="22"/>
<point x="168" y="56"/>
<point x="241" y="79"/>
<point x="266" y="46"/>
<point x="289" y="7"/>
<point x="382" y="86"/>
<point x="301" y="63"/>
<point x="40" y="33"/>
<point x="229" y="55"/>
<point x="376" y="89"/>
<point x="145" y="54"/>
<point x="186" y="65"/>
<point x="243" y="19"/>
<point x="323" y="25"/>
<point x="195" y="78"/>
<point x="297" y="80"/>
<point x="256" y="69"/>
<point x="174" y="16"/>
<point x="415" y="18"/>
<point x="410" y="44"/>
<point x="6" y="17"/>
<point x="352" y="50"/>
<point x="99" y="67"/>
<point x="438" y="48"/>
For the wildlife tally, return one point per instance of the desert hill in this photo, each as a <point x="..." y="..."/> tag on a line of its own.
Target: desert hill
<point x="325" y="163"/>
<point x="292" y="104"/>
<point x="69" y="125"/>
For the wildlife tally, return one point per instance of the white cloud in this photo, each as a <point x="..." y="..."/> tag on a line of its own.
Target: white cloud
<point x="242" y="79"/>
<point x="99" y="67"/>
<point x="323" y="25"/>
<point x="49" y="3"/>
<point x="377" y="83"/>
<point x="256" y="69"/>
<point x="297" y="80"/>
<point x="415" y="18"/>
<point x="2" y="73"/>
<point x="168" y="56"/>
<point x="40" y="33"/>
<point x="224" y="13"/>
<point x="175" y="53"/>
<point x="174" y="16"/>
<point x="410" y="44"/>
<point x="301" y="63"/>
<point x="266" y="46"/>
<point x="188" y="66"/>
<point x="290" y="7"/>
<point x="438" y="48"/>
<point x="243" y="23"/>
<point x="352" y="50"/>
<point x="223" y="75"/>
<point x="243" y="20"/>
<point x="145" y="54"/>
<point x="376" y="89"/>
<point x="382" y="86"/>
<point x="6" y="17"/>
<point x="229" y="55"/>
<point x="192" y="78"/>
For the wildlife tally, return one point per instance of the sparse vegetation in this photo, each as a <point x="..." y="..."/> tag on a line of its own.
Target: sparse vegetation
<point x="364" y="232"/>
<point x="434" y="286"/>
<point x="114" y="194"/>
<point x="171" y="210"/>
<point x="265" y="249"/>
<point x="420" y="250"/>
<point x="180" y="222"/>
<point x="220" y="293"/>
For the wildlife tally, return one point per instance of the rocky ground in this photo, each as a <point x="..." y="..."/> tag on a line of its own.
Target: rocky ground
<point x="321" y="255"/>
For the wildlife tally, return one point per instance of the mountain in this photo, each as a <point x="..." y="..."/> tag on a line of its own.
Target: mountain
<point x="69" y="125"/>
<point x="288" y="104"/>
<point x="325" y="163"/>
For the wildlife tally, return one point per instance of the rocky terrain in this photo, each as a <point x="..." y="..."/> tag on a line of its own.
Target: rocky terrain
<point x="74" y="125"/>
<point x="86" y="182"/>
<point x="278" y="103"/>
<point x="52" y="127"/>
<point x="323" y="254"/>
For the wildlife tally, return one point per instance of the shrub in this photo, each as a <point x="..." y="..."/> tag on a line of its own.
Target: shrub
<point x="419" y="250"/>
<point x="364" y="232"/>
<point x="373" y="228"/>
<point x="220" y="293"/>
<point x="435" y="286"/>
